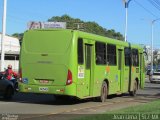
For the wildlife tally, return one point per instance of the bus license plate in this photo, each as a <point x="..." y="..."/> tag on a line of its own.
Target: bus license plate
<point x="43" y="89"/>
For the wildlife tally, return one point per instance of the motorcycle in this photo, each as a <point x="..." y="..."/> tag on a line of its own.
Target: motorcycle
<point x="8" y="87"/>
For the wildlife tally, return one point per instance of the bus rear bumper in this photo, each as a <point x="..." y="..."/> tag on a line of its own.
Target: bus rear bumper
<point x="58" y="90"/>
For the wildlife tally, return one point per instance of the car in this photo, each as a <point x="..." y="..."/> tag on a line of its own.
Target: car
<point x="7" y="87"/>
<point x="158" y="68"/>
<point x="155" y="77"/>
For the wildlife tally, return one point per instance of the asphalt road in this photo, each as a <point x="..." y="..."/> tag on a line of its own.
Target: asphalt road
<point x="32" y="105"/>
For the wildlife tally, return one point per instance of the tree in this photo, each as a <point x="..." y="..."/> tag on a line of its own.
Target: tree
<point x="19" y="36"/>
<point x="156" y="58"/>
<point x="158" y="62"/>
<point x="75" y="23"/>
<point x="90" y="27"/>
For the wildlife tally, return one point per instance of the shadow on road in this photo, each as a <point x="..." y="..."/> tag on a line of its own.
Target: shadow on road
<point x="51" y="100"/>
<point x="44" y="99"/>
<point x="150" y="91"/>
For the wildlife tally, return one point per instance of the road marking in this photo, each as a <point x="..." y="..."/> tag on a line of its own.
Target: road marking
<point x="89" y="107"/>
<point x="23" y="101"/>
<point x="74" y="109"/>
<point x="93" y="110"/>
<point x="10" y="102"/>
<point x="3" y="102"/>
<point x="33" y="117"/>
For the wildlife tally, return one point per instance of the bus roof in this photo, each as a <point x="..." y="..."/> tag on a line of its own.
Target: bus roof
<point x="90" y="36"/>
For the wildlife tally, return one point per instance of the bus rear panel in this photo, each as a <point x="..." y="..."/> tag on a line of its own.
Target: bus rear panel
<point x="44" y="65"/>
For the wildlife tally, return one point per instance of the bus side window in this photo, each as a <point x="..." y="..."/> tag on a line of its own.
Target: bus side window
<point x="80" y="51"/>
<point x="135" y="57"/>
<point x="100" y="49"/>
<point x="111" y="54"/>
<point x="127" y="53"/>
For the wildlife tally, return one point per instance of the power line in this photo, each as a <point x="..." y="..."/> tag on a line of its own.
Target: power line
<point x="147" y="10"/>
<point x="155" y="4"/>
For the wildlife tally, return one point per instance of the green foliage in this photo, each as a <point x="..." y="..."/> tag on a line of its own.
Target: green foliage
<point x="150" y="110"/>
<point x="155" y="58"/>
<point x="75" y="23"/>
<point x="19" y="36"/>
<point x="90" y="27"/>
<point x="150" y="107"/>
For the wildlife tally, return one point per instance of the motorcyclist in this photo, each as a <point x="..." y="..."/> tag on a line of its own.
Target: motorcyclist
<point x="11" y="75"/>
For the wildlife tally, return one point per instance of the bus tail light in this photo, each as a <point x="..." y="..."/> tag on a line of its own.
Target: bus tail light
<point x="20" y="74"/>
<point x="69" y="78"/>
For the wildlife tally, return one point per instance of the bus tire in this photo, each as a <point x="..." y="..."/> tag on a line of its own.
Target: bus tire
<point x="104" y="92"/>
<point x="134" y="92"/>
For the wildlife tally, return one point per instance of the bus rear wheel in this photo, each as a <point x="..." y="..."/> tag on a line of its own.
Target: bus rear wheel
<point x="104" y="92"/>
<point x="134" y="92"/>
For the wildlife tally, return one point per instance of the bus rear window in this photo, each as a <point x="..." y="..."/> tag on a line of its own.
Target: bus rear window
<point x="47" y="41"/>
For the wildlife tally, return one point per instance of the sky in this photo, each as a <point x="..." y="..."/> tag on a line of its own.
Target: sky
<point x="110" y="14"/>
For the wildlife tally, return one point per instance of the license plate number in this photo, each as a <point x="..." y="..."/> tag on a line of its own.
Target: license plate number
<point x="43" y="89"/>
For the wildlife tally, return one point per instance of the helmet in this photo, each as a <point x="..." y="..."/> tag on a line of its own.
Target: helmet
<point x="9" y="66"/>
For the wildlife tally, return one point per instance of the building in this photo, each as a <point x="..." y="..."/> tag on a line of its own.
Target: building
<point x="12" y="51"/>
<point x="158" y="54"/>
<point x="147" y="50"/>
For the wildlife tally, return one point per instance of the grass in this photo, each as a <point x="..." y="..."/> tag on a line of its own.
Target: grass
<point x="147" y="111"/>
<point x="151" y="107"/>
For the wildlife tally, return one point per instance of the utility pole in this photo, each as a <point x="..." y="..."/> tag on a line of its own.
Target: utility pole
<point x="152" y="38"/>
<point x="3" y="34"/>
<point x="126" y="2"/>
<point x="152" y="24"/>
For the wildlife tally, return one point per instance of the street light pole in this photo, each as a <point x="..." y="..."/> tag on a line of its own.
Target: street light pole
<point x="152" y="25"/>
<point x="126" y="20"/>
<point x="3" y="34"/>
<point x="152" y="38"/>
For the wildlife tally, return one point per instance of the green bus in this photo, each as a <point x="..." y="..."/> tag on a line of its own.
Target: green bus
<point x="79" y="64"/>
